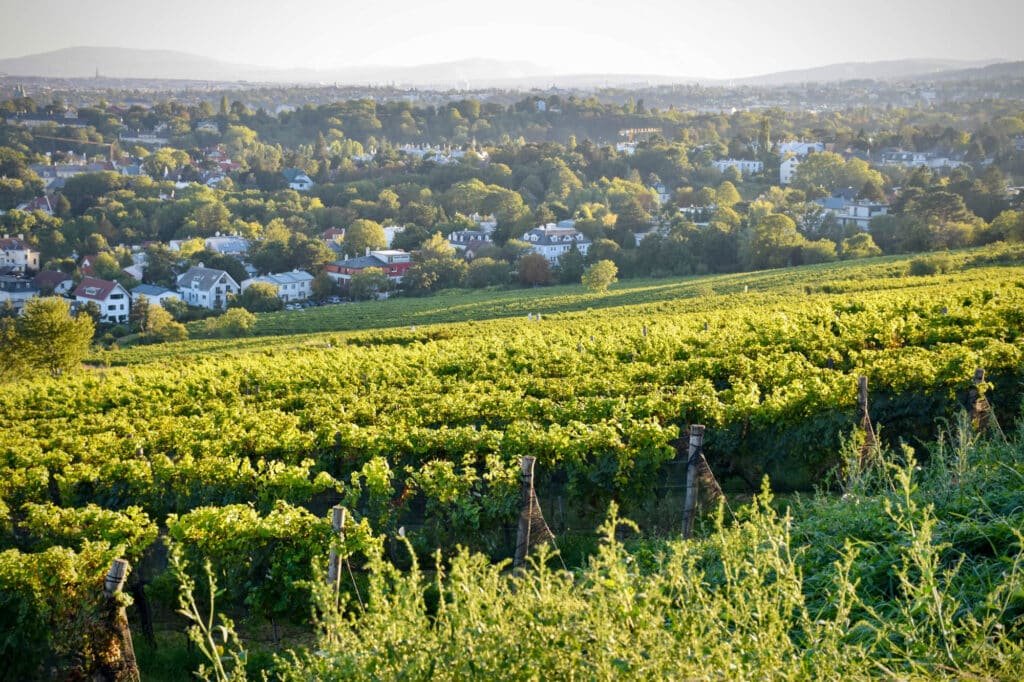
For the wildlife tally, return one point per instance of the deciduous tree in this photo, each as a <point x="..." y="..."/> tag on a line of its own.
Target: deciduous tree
<point x="600" y="275"/>
<point x="52" y="339"/>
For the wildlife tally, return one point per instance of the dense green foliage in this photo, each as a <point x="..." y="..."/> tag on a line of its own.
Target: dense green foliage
<point x="911" y="575"/>
<point x="415" y="413"/>
<point x="45" y="338"/>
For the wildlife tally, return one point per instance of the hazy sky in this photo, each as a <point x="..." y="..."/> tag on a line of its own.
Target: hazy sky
<point x="708" y="38"/>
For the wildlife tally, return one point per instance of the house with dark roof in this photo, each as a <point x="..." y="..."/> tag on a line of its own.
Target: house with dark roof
<point x="553" y="241"/>
<point x="470" y="242"/>
<point x="154" y="294"/>
<point x="290" y="286"/>
<point x="395" y="263"/>
<point x="54" y="282"/>
<point x="230" y="245"/>
<point x="16" y="290"/>
<point x="207" y="287"/>
<point x="297" y="179"/>
<point x="114" y="301"/>
<point x="16" y="255"/>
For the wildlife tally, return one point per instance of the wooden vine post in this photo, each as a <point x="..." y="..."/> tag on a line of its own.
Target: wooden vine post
<point x="865" y="418"/>
<point x="977" y="403"/>
<point x="525" y="511"/>
<point x="120" y="665"/>
<point x="334" y="562"/>
<point x="692" y="461"/>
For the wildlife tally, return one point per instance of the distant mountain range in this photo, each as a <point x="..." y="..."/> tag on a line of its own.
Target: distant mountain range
<point x="112" y="62"/>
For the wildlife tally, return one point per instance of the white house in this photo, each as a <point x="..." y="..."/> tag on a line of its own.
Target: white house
<point x="486" y="224"/>
<point x="297" y="179"/>
<point x="552" y="241"/>
<point x="855" y="212"/>
<point x="290" y="286"/>
<point x="744" y="166"/>
<point x="114" y="301"/>
<point x="934" y="161"/>
<point x="154" y="294"/>
<point x="206" y="287"/>
<point x="800" y="149"/>
<point x="17" y="256"/>
<point x="17" y="290"/>
<point x="390" y="231"/>
<point x="661" y="190"/>
<point x="787" y="169"/>
<point x="227" y="244"/>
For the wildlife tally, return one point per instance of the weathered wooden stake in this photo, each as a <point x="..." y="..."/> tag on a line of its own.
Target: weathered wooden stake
<point x="334" y="562"/>
<point x="645" y="330"/>
<point x="525" y="511"/>
<point x="978" y="404"/>
<point x="124" y="668"/>
<point x="865" y="417"/>
<point x="690" y="501"/>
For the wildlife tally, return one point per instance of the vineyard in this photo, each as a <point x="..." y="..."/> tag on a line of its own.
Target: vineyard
<point x="414" y="413"/>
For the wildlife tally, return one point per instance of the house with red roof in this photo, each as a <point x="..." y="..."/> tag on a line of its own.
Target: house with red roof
<point x="394" y="264"/>
<point x="113" y="299"/>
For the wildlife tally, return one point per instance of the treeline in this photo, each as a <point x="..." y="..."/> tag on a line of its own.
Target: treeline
<point x="704" y="220"/>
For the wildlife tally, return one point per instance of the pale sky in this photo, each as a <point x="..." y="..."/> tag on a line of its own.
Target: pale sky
<point x="705" y="38"/>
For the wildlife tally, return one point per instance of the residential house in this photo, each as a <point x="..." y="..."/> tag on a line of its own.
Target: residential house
<point x="206" y="287"/>
<point x="744" y="166"/>
<point x="17" y="290"/>
<point x="228" y="244"/>
<point x="54" y="282"/>
<point x="114" y="301"/>
<point x="290" y="286"/>
<point x="699" y="215"/>
<point x="394" y="263"/>
<point x="154" y="294"/>
<point x="787" y="169"/>
<point x="552" y="241"/>
<point x="389" y="233"/>
<point x="16" y="255"/>
<point x="67" y="119"/>
<point x="87" y="264"/>
<point x="297" y="179"/>
<point x="469" y="242"/>
<point x="850" y="211"/>
<point x="661" y="190"/>
<point x="136" y="272"/>
<point x="800" y="149"/>
<point x="486" y="224"/>
<point x="932" y="160"/>
<point x="145" y="139"/>
<point x="42" y="203"/>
